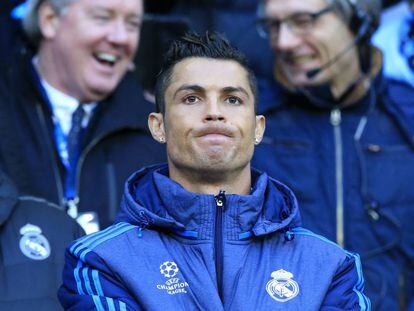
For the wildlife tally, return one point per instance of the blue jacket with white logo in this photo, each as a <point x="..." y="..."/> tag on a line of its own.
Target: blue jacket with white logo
<point x="351" y="169"/>
<point x="176" y="250"/>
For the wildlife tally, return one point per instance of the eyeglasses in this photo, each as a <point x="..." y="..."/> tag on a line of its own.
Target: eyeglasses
<point x="299" y="23"/>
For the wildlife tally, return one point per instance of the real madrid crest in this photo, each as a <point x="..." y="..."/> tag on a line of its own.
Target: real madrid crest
<point x="282" y="287"/>
<point x="33" y="244"/>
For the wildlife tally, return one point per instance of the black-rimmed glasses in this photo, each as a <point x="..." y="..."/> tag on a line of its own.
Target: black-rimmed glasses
<point x="299" y="23"/>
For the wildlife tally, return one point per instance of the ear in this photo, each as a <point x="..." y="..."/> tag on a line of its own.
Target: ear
<point x="259" y="129"/>
<point x="156" y="127"/>
<point x="48" y="20"/>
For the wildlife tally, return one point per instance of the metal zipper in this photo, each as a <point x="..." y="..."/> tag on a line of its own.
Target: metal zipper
<point x="56" y="172"/>
<point x="336" y="123"/>
<point x="218" y="239"/>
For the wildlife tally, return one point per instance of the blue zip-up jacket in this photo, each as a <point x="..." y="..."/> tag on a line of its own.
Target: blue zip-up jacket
<point x="352" y="172"/>
<point x="176" y="250"/>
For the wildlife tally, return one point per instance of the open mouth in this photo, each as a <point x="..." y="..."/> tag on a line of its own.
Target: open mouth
<point x="106" y="59"/>
<point x="299" y="60"/>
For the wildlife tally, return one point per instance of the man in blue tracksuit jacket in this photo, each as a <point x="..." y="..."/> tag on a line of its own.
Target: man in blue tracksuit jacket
<point x="341" y="136"/>
<point x="206" y="231"/>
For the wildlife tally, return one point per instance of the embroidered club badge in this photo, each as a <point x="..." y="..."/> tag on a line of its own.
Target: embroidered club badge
<point x="33" y="244"/>
<point x="282" y="287"/>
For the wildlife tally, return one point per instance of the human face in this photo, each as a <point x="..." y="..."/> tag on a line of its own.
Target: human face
<point x="298" y="54"/>
<point x="88" y="47"/>
<point x="209" y="122"/>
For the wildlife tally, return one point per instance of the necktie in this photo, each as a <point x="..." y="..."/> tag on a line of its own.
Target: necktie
<point x="74" y="146"/>
<point x="74" y="143"/>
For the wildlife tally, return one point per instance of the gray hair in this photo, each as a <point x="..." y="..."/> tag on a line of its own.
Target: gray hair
<point x="349" y="9"/>
<point x="30" y="20"/>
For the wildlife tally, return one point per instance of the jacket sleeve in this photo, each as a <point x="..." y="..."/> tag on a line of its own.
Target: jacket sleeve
<point x="88" y="284"/>
<point x="347" y="288"/>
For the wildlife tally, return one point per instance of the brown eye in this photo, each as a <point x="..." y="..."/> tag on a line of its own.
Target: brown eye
<point x="233" y="100"/>
<point x="301" y="21"/>
<point x="191" y="99"/>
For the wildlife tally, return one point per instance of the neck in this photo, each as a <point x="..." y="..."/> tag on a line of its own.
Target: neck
<point x="347" y="72"/>
<point x="211" y="182"/>
<point x="362" y="81"/>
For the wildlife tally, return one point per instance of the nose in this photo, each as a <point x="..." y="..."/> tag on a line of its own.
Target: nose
<point x="118" y="33"/>
<point x="285" y="39"/>
<point x="213" y="111"/>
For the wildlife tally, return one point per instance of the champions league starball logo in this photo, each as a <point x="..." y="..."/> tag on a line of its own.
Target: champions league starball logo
<point x="172" y="286"/>
<point x="282" y="287"/>
<point x="169" y="269"/>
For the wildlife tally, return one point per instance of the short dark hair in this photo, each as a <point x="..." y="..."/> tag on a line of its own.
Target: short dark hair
<point x="211" y="45"/>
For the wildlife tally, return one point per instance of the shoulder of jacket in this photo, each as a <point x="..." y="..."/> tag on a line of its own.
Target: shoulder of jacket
<point x="81" y="247"/>
<point x="45" y="211"/>
<point x="38" y="200"/>
<point x="399" y="92"/>
<point x="323" y="242"/>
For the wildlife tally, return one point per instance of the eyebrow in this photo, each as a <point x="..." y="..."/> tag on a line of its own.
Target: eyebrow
<point x="100" y="8"/>
<point x="232" y="89"/>
<point x="189" y="87"/>
<point x="200" y="89"/>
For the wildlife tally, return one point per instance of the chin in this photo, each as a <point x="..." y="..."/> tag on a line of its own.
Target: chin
<point x="100" y="92"/>
<point x="304" y="81"/>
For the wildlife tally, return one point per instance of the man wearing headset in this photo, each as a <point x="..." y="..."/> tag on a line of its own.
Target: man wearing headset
<point x="342" y="136"/>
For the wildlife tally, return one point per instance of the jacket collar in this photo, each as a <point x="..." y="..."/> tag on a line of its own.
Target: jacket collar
<point x="8" y="198"/>
<point x="152" y="199"/>
<point x="126" y="108"/>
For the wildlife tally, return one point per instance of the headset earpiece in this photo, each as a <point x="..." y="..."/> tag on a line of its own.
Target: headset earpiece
<point x="362" y="23"/>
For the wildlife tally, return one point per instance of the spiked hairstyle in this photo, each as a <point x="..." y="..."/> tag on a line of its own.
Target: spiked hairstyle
<point x="211" y="45"/>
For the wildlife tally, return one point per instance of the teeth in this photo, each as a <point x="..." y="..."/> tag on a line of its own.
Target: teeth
<point x="107" y="57"/>
<point x="301" y="59"/>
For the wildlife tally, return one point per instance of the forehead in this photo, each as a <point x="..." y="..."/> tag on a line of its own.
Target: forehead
<point x="209" y="73"/>
<point x="283" y="8"/>
<point x="125" y="6"/>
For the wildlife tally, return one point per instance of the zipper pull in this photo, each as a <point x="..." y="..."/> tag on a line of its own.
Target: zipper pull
<point x="140" y="232"/>
<point x="335" y="117"/>
<point x="72" y="207"/>
<point x="220" y="198"/>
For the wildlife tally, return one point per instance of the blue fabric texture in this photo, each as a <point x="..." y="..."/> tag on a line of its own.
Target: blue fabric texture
<point x="368" y="157"/>
<point x="31" y="282"/>
<point x="161" y="254"/>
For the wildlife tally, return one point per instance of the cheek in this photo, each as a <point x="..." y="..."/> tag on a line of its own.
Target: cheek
<point x="132" y="45"/>
<point x="329" y="43"/>
<point x="175" y="131"/>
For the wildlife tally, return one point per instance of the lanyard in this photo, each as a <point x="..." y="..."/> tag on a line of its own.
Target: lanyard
<point x="60" y="142"/>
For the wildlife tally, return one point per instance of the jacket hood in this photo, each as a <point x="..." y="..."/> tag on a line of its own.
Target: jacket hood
<point x="8" y="198"/>
<point x="151" y="199"/>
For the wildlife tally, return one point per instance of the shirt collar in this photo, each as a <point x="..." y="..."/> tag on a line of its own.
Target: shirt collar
<point x="62" y="104"/>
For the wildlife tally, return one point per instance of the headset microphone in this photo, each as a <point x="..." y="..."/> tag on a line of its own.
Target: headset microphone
<point x="363" y="31"/>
